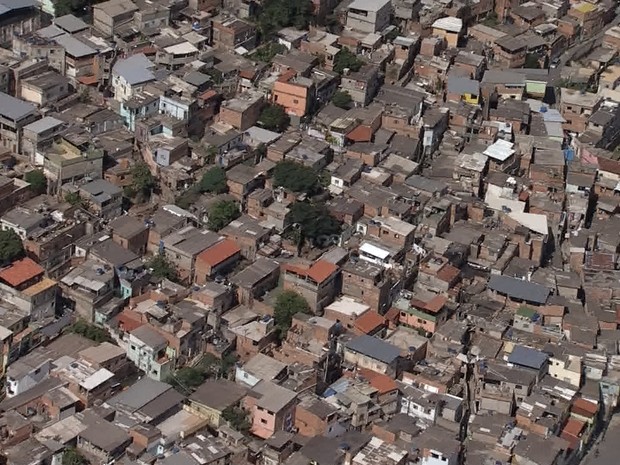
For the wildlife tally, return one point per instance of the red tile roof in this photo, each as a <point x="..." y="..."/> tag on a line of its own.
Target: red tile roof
<point x="360" y="134"/>
<point x="573" y="427"/>
<point x="321" y="270"/>
<point x="287" y="76"/>
<point x="219" y="253"/>
<point x="382" y="383"/>
<point x="606" y="164"/>
<point x="584" y="407"/>
<point x="392" y="314"/>
<point x="248" y="73"/>
<point x="127" y="321"/>
<point x="572" y="431"/>
<point x="21" y="271"/>
<point x="369" y="321"/>
<point x="207" y="94"/>
<point x="88" y="80"/>
<point x="448" y="273"/>
<point x="434" y="305"/>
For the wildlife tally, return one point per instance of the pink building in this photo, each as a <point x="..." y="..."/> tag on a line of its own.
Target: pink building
<point x="271" y="407"/>
<point x="426" y="314"/>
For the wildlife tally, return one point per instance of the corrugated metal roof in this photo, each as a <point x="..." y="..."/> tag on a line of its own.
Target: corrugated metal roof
<point x="519" y="289"/>
<point x="374" y="348"/>
<point x="527" y="357"/>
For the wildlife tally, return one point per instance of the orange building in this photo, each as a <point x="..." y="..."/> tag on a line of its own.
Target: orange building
<point x="294" y="93"/>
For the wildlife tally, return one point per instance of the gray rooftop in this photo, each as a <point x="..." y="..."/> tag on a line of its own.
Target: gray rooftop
<point x="218" y="394"/>
<point x="461" y="85"/>
<point x="519" y="289"/>
<point x="425" y="184"/>
<point x="264" y="367"/>
<point x="70" y="23"/>
<point x="374" y="348"/>
<point x="149" y="336"/>
<point x="112" y="253"/>
<point x="139" y="394"/>
<point x="127" y="226"/>
<point x="368" y="5"/>
<point x="273" y="398"/>
<point x="44" y="124"/>
<point x="14" y="108"/>
<point x="22" y="218"/>
<point x="100" y="186"/>
<point x="105" y="435"/>
<point x="258" y="270"/>
<point x="527" y="357"/>
<point x="136" y="69"/>
<point x="8" y="5"/>
<point x="74" y="47"/>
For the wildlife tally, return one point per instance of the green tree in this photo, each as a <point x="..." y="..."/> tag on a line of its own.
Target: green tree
<point x="237" y="418"/>
<point x="216" y="75"/>
<point x="90" y="331"/>
<point x="393" y="34"/>
<point x="288" y="304"/>
<point x="267" y="52"/>
<point x="214" y="181"/>
<point x="315" y="223"/>
<point x="332" y="24"/>
<point x="143" y="180"/>
<point x="491" y="19"/>
<point x="71" y="456"/>
<point x="65" y="7"/>
<point x="211" y="154"/>
<point x="162" y="268"/>
<point x="260" y="152"/>
<point x="216" y="366"/>
<point x="189" y="197"/>
<point x="187" y="379"/>
<point x="276" y="14"/>
<point x="85" y="96"/>
<point x="345" y="59"/>
<point x="342" y="99"/>
<point x="274" y="118"/>
<point x="11" y="246"/>
<point x="222" y="213"/>
<point x="296" y="177"/>
<point x="37" y="181"/>
<point x="74" y="199"/>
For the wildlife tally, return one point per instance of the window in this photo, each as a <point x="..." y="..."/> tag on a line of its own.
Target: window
<point x="263" y="421"/>
<point x="295" y="100"/>
<point x="133" y="347"/>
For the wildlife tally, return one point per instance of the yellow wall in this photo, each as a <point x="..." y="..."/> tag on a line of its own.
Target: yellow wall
<point x="472" y="99"/>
